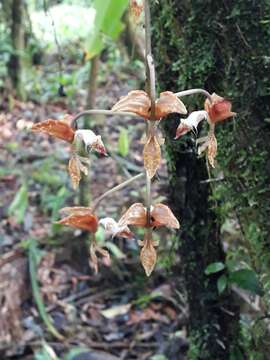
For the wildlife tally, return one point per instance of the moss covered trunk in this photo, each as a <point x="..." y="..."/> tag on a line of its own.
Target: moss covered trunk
<point x="213" y="323"/>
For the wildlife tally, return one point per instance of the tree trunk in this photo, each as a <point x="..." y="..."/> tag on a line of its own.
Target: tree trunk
<point x="213" y="324"/>
<point x="17" y="36"/>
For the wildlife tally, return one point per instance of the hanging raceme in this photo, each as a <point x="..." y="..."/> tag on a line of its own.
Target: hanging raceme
<point x="136" y="103"/>
<point x="82" y="142"/>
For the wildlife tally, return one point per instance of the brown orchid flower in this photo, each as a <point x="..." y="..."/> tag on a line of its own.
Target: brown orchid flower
<point x="84" y="219"/>
<point x="139" y="102"/>
<point x="160" y="215"/>
<point x="218" y="109"/>
<point x="112" y="228"/>
<point x="82" y="141"/>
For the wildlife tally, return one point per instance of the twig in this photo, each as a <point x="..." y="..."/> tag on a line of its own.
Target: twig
<point x="114" y="189"/>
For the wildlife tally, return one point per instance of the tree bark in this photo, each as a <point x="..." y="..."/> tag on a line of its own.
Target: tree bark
<point x="213" y="324"/>
<point x="15" y="65"/>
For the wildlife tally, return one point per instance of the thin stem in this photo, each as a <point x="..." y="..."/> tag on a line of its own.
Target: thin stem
<point x="151" y="90"/>
<point x="100" y="112"/>
<point x="114" y="189"/>
<point x="194" y="91"/>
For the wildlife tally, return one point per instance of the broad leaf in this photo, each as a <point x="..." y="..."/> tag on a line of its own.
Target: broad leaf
<point x="19" y="204"/>
<point x="214" y="268"/>
<point x="246" y="279"/>
<point x="107" y="24"/>
<point x="222" y="283"/>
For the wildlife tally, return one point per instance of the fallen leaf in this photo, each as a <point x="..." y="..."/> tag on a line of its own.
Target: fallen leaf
<point x="151" y="155"/>
<point x="56" y="128"/>
<point x="115" y="311"/>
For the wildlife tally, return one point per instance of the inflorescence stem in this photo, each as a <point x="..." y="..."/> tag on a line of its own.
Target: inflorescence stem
<point x="192" y="92"/>
<point x="114" y="189"/>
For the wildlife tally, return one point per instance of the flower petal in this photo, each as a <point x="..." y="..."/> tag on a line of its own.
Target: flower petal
<point x="136" y="101"/>
<point x="114" y="229"/>
<point x="135" y="215"/>
<point x="91" y="140"/>
<point x="162" y="216"/>
<point x="151" y="155"/>
<point x="56" y="128"/>
<point x="82" y="220"/>
<point x="168" y="103"/>
<point x="191" y="122"/>
<point x="219" y="109"/>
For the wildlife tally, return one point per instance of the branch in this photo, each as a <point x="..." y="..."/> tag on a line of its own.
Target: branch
<point x="114" y="189"/>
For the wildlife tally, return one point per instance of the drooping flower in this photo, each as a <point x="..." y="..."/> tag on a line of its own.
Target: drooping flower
<point x="78" y="139"/>
<point x="218" y="109"/>
<point x="83" y="218"/>
<point x="160" y="215"/>
<point x="138" y="102"/>
<point x="112" y="228"/>
<point x="191" y="122"/>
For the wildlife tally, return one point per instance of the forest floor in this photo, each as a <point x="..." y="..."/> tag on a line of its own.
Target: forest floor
<point x="118" y="313"/>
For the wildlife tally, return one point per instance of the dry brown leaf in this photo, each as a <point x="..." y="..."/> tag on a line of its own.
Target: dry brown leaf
<point x="151" y="156"/>
<point x="212" y="150"/>
<point x="219" y="109"/>
<point x="168" y="103"/>
<point x="136" y="101"/>
<point x="80" y="219"/>
<point x="162" y="216"/>
<point x="135" y="215"/>
<point x="148" y="255"/>
<point x="56" y="128"/>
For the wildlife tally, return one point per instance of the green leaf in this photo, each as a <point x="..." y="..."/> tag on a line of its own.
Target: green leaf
<point x="19" y="204"/>
<point x="123" y="142"/>
<point x="246" y="279"/>
<point x="107" y="23"/>
<point x="214" y="268"/>
<point x="222" y="283"/>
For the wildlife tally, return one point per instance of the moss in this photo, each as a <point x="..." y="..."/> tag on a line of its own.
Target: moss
<point x="224" y="48"/>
